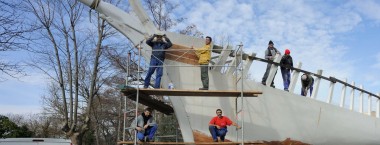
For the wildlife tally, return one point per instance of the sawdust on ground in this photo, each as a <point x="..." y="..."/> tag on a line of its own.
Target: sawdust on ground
<point x="201" y="137"/>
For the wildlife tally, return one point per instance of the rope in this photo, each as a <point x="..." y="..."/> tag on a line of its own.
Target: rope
<point x="163" y="64"/>
<point x="93" y="6"/>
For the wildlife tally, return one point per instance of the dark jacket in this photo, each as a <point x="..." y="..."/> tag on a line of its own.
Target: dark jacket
<point x="286" y="61"/>
<point x="142" y="120"/>
<point x="270" y="53"/>
<point x="158" y="47"/>
<point x="308" y="82"/>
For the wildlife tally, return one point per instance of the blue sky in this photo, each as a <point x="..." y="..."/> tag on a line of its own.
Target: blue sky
<point x="339" y="37"/>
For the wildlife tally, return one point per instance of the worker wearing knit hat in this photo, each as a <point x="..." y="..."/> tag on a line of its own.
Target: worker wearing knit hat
<point x="286" y="64"/>
<point x="270" y="54"/>
<point x="287" y="51"/>
<point x="307" y="82"/>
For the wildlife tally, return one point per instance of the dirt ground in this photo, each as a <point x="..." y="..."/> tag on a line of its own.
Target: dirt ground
<point x="201" y="137"/>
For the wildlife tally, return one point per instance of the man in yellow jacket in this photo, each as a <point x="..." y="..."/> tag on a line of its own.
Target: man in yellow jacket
<point x="204" y="55"/>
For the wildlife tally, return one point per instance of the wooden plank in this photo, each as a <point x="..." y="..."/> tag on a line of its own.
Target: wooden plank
<point x="192" y="143"/>
<point x="203" y="93"/>
<point x="152" y="103"/>
<point x="183" y="59"/>
<point x="182" y="54"/>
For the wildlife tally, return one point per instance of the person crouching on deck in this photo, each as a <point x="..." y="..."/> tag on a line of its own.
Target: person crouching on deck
<point x="204" y="55"/>
<point x="218" y="126"/>
<point x="146" y="126"/>
<point x="307" y="82"/>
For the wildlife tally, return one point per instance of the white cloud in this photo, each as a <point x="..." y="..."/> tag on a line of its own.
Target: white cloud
<point x="18" y="109"/>
<point x="307" y="28"/>
<point x="23" y="95"/>
<point x="369" y="8"/>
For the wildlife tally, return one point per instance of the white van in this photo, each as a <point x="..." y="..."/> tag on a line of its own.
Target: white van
<point x="35" y="141"/>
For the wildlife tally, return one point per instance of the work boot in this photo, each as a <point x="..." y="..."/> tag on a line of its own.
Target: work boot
<point x="215" y="140"/>
<point x="203" y="88"/>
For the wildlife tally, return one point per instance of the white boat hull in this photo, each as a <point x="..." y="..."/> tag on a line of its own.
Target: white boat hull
<point x="273" y="116"/>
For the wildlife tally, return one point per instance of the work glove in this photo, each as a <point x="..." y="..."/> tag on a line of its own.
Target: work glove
<point x="305" y="91"/>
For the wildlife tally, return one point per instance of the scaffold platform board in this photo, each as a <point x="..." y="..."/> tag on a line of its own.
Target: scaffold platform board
<point x="200" y="93"/>
<point x="192" y="143"/>
<point x="151" y="102"/>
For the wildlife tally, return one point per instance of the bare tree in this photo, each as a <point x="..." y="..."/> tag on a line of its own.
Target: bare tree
<point x="161" y="11"/>
<point x="74" y="64"/>
<point x="79" y="69"/>
<point x="12" y="33"/>
<point x="191" y="31"/>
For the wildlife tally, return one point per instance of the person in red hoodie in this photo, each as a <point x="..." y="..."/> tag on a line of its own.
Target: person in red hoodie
<point x="218" y="126"/>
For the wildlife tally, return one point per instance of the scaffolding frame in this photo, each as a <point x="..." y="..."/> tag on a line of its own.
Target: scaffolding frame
<point x="96" y="3"/>
<point x="238" y="66"/>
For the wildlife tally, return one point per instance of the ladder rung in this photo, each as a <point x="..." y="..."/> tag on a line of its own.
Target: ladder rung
<point x="129" y="111"/>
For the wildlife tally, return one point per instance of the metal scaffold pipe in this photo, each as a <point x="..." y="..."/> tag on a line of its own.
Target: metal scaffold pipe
<point x="138" y="88"/>
<point x="241" y="94"/>
<point x="125" y="97"/>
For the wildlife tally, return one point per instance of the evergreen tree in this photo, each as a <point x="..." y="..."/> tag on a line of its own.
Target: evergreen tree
<point x="9" y="129"/>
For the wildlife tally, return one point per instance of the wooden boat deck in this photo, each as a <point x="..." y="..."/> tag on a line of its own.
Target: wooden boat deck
<point x="192" y="143"/>
<point x="193" y="93"/>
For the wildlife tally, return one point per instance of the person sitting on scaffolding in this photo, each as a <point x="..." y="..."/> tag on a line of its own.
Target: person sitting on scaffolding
<point x="146" y="126"/>
<point x="286" y="63"/>
<point x="270" y="54"/>
<point x="204" y="55"/>
<point x="159" y="42"/>
<point x="307" y="84"/>
<point x="218" y="126"/>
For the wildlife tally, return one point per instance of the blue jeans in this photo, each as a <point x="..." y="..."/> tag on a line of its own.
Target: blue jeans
<point x="286" y="78"/>
<point x="266" y="74"/>
<point x="148" y="132"/>
<point x="154" y="64"/>
<point x="215" y="132"/>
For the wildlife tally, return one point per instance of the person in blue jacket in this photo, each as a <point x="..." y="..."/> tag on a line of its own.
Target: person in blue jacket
<point x="159" y="43"/>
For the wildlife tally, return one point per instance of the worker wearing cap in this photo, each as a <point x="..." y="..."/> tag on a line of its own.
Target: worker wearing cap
<point x="159" y="43"/>
<point x="286" y="64"/>
<point x="307" y="84"/>
<point x="270" y="54"/>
